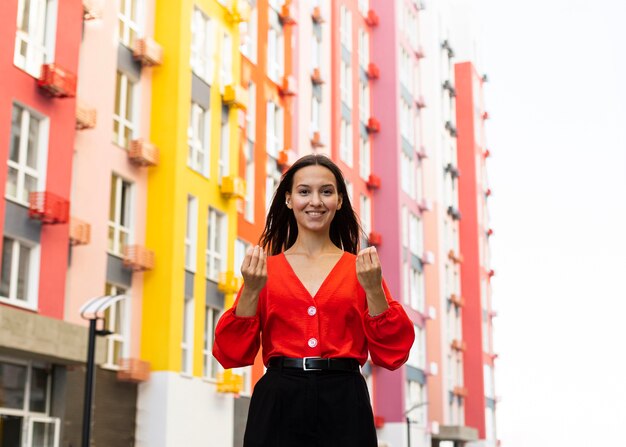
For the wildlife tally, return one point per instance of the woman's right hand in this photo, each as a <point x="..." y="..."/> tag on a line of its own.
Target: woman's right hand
<point x="254" y="269"/>
<point x="254" y="272"/>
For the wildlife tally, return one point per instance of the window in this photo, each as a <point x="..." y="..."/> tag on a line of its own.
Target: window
<point x="345" y="27"/>
<point x="223" y="166"/>
<point x="198" y="139"/>
<point x="488" y="381"/>
<point x="406" y="122"/>
<point x="116" y="320"/>
<point x="363" y="7"/>
<point x="27" y="154"/>
<point x="364" y="157"/>
<point x="416" y="235"/>
<point x="416" y="287"/>
<point x="187" y="338"/>
<point x="345" y="83"/>
<point x="25" y="406"/>
<point x="274" y="134"/>
<point x="34" y="39"/>
<point x="211" y="367"/>
<point x="405" y="173"/>
<point x="226" y="68"/>
<point x="416" y="403"/>
<point x="124" y="119"/>
<point x="271" y="182"/>
<point x="364" y="101"/>
<point x="485" y="335"/>
<point x="248" y="33"/>
<point x="364" y="47"/>
<point x="216" y="249"/>
<point x="128" y="22"/>
<point x="316" y="106"/>
<point x="316" y="52"/>
<point x="240" y="254"/>
<point x="365" y="213"/>
<point x="490" y="424"/>
<point x="250" y="182"/>
<point x="191" y="233"/>
<point x="202" y="46"/>
<point x="345" y="143"/>
<point x="275" y="48"/>
<point x="20" y="270"/>
<point x="405" y="225"/>
<point x="120" y="219"/>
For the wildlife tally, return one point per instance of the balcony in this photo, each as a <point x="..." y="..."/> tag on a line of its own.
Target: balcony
<point x="236" y="96"/>
<point x="233" y="187"/>
<point x="287" y="86"/>
<point x="228" y="282"/>
<point x="287" y="14"/>
<point x="486" y="153"/>
<point x="143" y="153"/>
<point x="458" y="345"/>
<point x="420" y="102"/>
<point x="374" y="239"/>
<point x="420" y="53"/>
<point x="424" y="205"/>
<point x="447" y="85"/>
<point x="133" y="370"/>
<point x="148" y="52"/>
<point x="90" y="10"/>
<point x="373" y="72"/>
<point x="422" y="153"/>
<point x="80" y="232"/>
<point x="85" y="116"/>
<point x="238" y="11"/>
<point x="138" y="258"/>
<point x="49" y="208"/>
<point x="488" y="192"/>
<point x="457" y="258"/>
<point x="428" y="258"/>
<point x="490" y="232"/>
<point x="316" y="140"/>
<point x="454" y="213"/>
<point x="57" y="81"/>
<point x="316" y="15"/>
<point x="457" y="300"/>
<point x="485" y="116"/>
<point x="372" y="19"/>
<point x="316" y="77"/>
<point x="373" y="182"/>
<point x="286" y="157"/>
<point x="452" y="170"/>
<point x="491" y="273"/>
<point x="460" y="391"/>
<point x="373" y="125"/>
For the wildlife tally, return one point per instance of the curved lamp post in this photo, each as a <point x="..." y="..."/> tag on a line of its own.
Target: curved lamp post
<point x="93" y="310"/>
<point x="408" y="420"/>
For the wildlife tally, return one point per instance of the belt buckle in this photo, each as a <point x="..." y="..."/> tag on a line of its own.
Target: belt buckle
<point x="304" y="367"/>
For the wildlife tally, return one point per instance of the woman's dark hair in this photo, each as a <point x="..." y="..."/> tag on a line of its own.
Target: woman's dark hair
<point x="281" y="228"/>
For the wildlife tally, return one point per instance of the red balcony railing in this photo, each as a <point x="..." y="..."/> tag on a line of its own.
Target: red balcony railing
<point x="57" y="81"/>
<point x="49" y="208"/>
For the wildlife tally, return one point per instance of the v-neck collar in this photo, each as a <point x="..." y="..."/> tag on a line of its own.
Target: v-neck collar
<point x="330" y="274"/>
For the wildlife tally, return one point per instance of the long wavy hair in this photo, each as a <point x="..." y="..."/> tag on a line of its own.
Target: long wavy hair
<point x="281" y="228"/>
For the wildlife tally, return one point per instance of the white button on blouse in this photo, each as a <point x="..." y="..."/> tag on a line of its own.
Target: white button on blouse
<point x="312" y="342"/>
<point x="312" y="310"/>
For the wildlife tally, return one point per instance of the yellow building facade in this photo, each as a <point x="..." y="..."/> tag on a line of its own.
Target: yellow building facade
<point x="197" y="110"/>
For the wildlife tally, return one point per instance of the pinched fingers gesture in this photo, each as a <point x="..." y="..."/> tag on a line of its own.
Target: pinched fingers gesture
<point x="254" y="269"/>
<point x="368" y="269"/>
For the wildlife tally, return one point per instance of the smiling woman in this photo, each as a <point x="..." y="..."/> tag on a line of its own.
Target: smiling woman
<point x="319" y="308"/>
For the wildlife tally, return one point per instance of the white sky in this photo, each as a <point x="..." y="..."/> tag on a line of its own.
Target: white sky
<point x="557" y="102"/>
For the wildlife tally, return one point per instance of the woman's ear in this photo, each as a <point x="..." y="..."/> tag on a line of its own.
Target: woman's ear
<point x="340" y="201"/>
<point x="288" y="200"/>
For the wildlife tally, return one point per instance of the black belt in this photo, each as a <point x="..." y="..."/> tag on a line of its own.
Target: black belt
<point x="315" y="363"/>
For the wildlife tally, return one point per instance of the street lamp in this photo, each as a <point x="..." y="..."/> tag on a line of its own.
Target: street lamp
<point x="408" y="420"/>
<point x="92" y="310"/>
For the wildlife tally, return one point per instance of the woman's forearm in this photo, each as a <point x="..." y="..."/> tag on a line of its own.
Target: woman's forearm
<point x="248" y="302"/>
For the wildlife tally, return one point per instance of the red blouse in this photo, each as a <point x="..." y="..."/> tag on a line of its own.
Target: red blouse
<point x="334" y="323"/>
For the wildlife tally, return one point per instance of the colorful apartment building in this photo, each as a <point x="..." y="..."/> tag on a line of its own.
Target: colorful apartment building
<point x="197" y="115"/>
<point x="40" y="347"/>
<point x="476" y="273"/>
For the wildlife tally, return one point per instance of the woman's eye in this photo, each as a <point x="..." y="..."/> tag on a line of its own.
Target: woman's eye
<point x="304" y="191"/>
<point x="327" y="192"/>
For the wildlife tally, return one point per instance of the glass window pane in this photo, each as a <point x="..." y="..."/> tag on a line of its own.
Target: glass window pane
<point x="43" y="434"/>
<point x="129" y="99"/>
<point x="30" y="185"/>
<point x="38" y="390"/>
<point x="118" y="92"/>
<point x="125" y="205"/>
<point x="12" y="385"/>
<point x="11" y="188"/>
<point x="5" y="282"/>
<point x="11" y="430"/>
<point x="23" y="272"/>
<point x="112" y="199"/>
<point x="33" y="139"/>
<point x="16" y="124"/>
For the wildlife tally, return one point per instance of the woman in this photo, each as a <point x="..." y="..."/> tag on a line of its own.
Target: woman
<point x="318" y="308"/>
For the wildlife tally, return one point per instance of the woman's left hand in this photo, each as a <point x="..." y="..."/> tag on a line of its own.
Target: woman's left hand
<point x="368" y="270"/>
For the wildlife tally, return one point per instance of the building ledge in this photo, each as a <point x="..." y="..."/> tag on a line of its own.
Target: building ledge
<point x="456" y="433"/>
<point x="27" y="333"/>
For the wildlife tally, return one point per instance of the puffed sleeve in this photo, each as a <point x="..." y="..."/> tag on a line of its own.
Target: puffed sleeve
<point x="390" y="334"/>
<point x="237" y="339"/>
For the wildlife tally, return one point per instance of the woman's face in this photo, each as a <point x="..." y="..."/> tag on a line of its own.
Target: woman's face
<point x="314" y="198"/>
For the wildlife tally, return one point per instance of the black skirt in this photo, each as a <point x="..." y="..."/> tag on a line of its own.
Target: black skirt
<point x="295" y="408"/>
